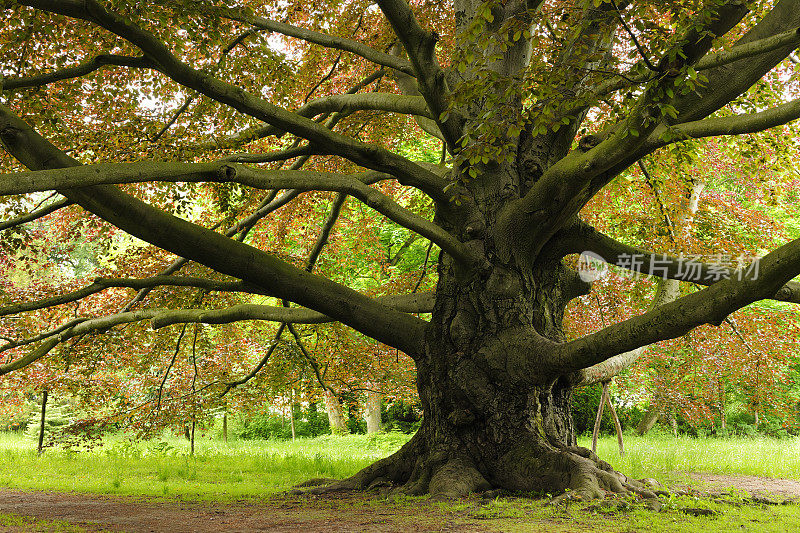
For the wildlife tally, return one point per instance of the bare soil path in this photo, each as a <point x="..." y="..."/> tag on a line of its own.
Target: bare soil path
<point x="788" y="489"/>
<point x="329" y="514"/>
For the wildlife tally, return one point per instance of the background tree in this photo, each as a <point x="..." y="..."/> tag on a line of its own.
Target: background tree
<point x="539" y="105"/>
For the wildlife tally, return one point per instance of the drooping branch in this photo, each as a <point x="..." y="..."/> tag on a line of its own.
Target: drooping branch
<point x="216" y="251"/>
<point x="310" y="358"/>
<point x="31" y="357"/>
<point x="15" y="343"/>
<point x="115" y="173"/>
<point x="160" y="318"/>
<point x="313" y="256"/>
<point x="264" y="360"/>
<point x="82" y="69"/>
<point x="708" y="306"/>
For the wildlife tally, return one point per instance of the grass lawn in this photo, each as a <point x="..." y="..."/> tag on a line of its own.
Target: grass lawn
<point x="224" y="472"/>
<point x="243" y="468"/>
<point x="662" y="456"/>
<point x="164" y="467"/>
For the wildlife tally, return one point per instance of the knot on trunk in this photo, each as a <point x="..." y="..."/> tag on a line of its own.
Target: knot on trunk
<point x="461" y="417"/>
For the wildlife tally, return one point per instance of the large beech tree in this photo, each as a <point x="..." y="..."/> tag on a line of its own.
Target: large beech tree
<point x="538" y="106"/>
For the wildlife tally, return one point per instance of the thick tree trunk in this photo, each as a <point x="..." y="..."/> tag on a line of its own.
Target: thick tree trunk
<point x="487" y="422"/>
<point x="335" y="417"/>
<point x="372" y="411"/>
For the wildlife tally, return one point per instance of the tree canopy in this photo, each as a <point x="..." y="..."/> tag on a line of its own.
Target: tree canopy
<point x="201" y="128"/>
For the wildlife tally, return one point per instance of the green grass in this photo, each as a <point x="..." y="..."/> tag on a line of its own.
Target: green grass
<point x="165" y="468"/>
<point x="253" y="468"/>
<point x="626" y="515"/>
<point x="661" y="456"/>
<point x="25" y="523"/>
<point x="225" y="471"/>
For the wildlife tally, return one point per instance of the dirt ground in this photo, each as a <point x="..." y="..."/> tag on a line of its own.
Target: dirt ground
<point x="329" y="514"/>
<point x="785" y="489"/>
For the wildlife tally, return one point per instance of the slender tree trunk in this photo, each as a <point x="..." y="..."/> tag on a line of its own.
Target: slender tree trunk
<point x="599" y="418"/>
<point x="291" y="413"/>
<point x="40" y="447"/>
<point x="191" y="444"/>
<point x="617" y="426"/>
<point x="648" y="421"/>
<point x="225" y="426"/>
<point x="335" y="417"/>
<point x="372" y="411"/>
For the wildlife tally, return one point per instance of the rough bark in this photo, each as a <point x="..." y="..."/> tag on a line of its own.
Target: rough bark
<point x="488" y="423"/>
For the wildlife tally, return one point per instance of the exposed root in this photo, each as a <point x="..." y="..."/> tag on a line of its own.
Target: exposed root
<point x="457" y="477"/>
<point x="572" y="473"/>
<point x="589" y="477"/>
<point x="390" y="470"/>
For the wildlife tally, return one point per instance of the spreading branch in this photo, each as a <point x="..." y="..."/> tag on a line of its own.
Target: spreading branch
<point x="35" y="214"/>
<point x="369" y="156"/>
<point x="102" y="284"/>
<point x="323" y="39"/>
<point x="217" y="251"/>
<point x="708" y="306"/>
<point x="259" y="132"/>
<point x="160" y="318"/>
<point x="116" y="173"/>
<point x="420" y="46"/>
<point x="82" y="69"/>
<point x="666" y="266"/>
